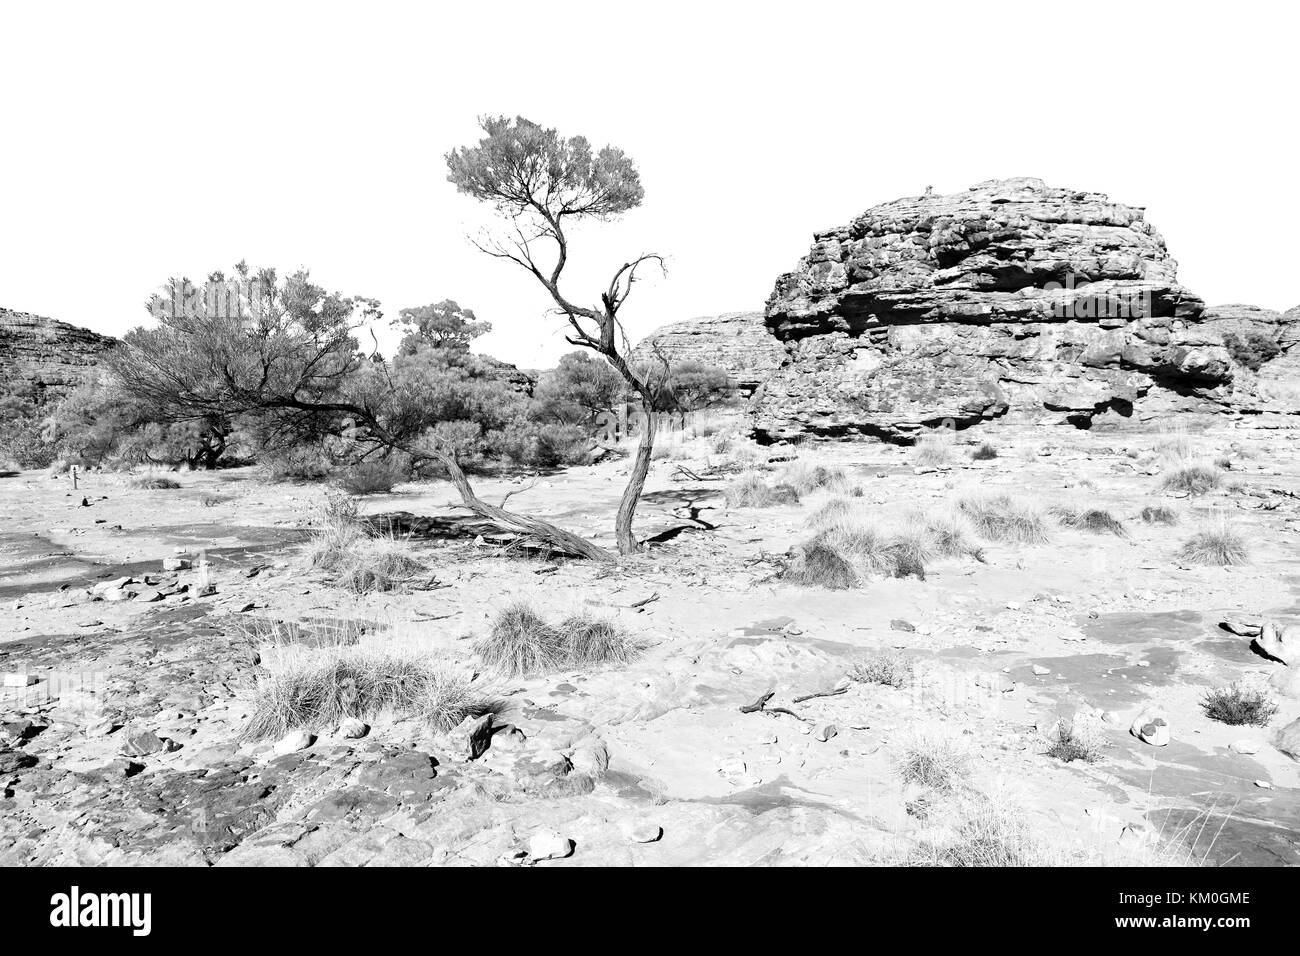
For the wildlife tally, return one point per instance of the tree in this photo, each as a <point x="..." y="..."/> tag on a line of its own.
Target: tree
<point x="690" y="386"/>
<point x="284" y="351"/>
<point x="579" y="390"/>
<point x="541" y="183"/>
<point x="442" y="325"/>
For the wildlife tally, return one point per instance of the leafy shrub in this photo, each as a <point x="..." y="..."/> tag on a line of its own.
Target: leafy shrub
<point x="1251" y="350"/>
<point x="371" y="477"/>
<point x="1237" y="705"/>
<point x="890" y="668"/>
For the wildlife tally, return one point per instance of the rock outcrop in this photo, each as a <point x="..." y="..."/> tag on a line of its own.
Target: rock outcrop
<point x="44" y="356"/>
<point x="735" y="341"/>
<point x="1012" y="299"/>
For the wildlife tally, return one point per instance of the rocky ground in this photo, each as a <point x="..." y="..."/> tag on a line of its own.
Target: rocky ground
<point x="136" y="665"/>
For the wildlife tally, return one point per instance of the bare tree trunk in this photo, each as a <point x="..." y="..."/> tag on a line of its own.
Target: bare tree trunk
<point x="561" y="539"/>
<point x="635" y="483"/>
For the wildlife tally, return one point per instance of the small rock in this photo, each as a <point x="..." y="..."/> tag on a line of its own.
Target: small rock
<point x="472" y="737"/>
<point x="20" y="679"/>
<point x="641" y="831"/>
<point x="145" y="742"/>
<point x="549" y="845"/>
<point x="1245" y="746"/>
<point x="1263" y="785"/>
<point x="176" y="564"/>
<point x="294" y="741"/>
<point x="1042" y="671"/>
<point x="898" y="624"/>
<point x="1288" y="740"/>
<point x="590" y="756"/>
<point x="1151" y="727"/>
<point x="825" y="732"/>
<point x="353" y="728"/>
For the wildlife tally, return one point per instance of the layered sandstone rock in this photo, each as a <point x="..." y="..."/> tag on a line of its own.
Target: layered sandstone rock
<point x="735" y="341"/>
<point x="1012" y="299"/>
<point x="46" y="356"/>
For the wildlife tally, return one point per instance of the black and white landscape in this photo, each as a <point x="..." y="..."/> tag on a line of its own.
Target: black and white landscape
<point x="650" y="437"/>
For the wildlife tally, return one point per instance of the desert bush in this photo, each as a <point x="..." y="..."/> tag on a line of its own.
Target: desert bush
<point x="1004" y="517"/>
<point x="751" y="490"/>
<point x="1238" y="705"/>
<point x="304" y="462"/>
<point x="374" y="477"/>
<point x="984" y="452"/>
<point x="1094" y="520"/>
<point x="1158" y="514"/>
<point x="1216" y="545"/>
<point x="1195" y="478"/>
<point x="1252" y="349"/>
<point x="933" y="450"/>
<point x="542" y="445"/>
<point x="317" y="687"/>
<point x="1075" y="740"/>
<point x="209" y="499"/>
<point x="890" y="668"/>
<point x="155" y="483"/>
<point x="522" y="643"/>
<point x="933" y="760"/>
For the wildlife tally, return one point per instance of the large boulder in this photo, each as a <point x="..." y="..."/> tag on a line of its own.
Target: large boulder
<point x="737" y="342"/>
<point x="1013" y="299"/>
<point x="44" y="356"/>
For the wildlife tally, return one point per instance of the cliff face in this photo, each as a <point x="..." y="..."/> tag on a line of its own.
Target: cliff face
<point x="1010" y="299"/>
<point x="49" y="356"/>
<point x="735" y="341"/>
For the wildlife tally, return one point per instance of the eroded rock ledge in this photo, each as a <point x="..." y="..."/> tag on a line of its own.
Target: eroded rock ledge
<point x="1012" y="299"/>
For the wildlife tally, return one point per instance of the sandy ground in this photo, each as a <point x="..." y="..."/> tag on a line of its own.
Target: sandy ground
<point x="1084" y="625"/>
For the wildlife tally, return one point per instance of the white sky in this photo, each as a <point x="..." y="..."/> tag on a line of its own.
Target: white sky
<point x="143" y="140"/>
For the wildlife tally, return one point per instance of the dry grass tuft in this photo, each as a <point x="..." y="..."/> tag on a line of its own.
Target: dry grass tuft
<point x="820" y="563"/>
<point x="1195" y="478"/>
<point x="523" y="644"/>
<point x="358" y="559"/>
<point x="1158" y="514"/>
<point x="751" y="490"/>
<point x="155" y="484"/>
<point x="934" y="760"/>
<point x="317" y="687"/>
<point x="1004" y="517"/>
<point x="1217" y="545"/>
<point x="1089" y="519"/>
<point x="933" y="450"/>
<point x="805" y="478"/>
<point x="984" y="452"/>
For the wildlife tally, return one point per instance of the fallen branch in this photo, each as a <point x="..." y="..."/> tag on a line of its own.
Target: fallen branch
<point x="824" y="693"/>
